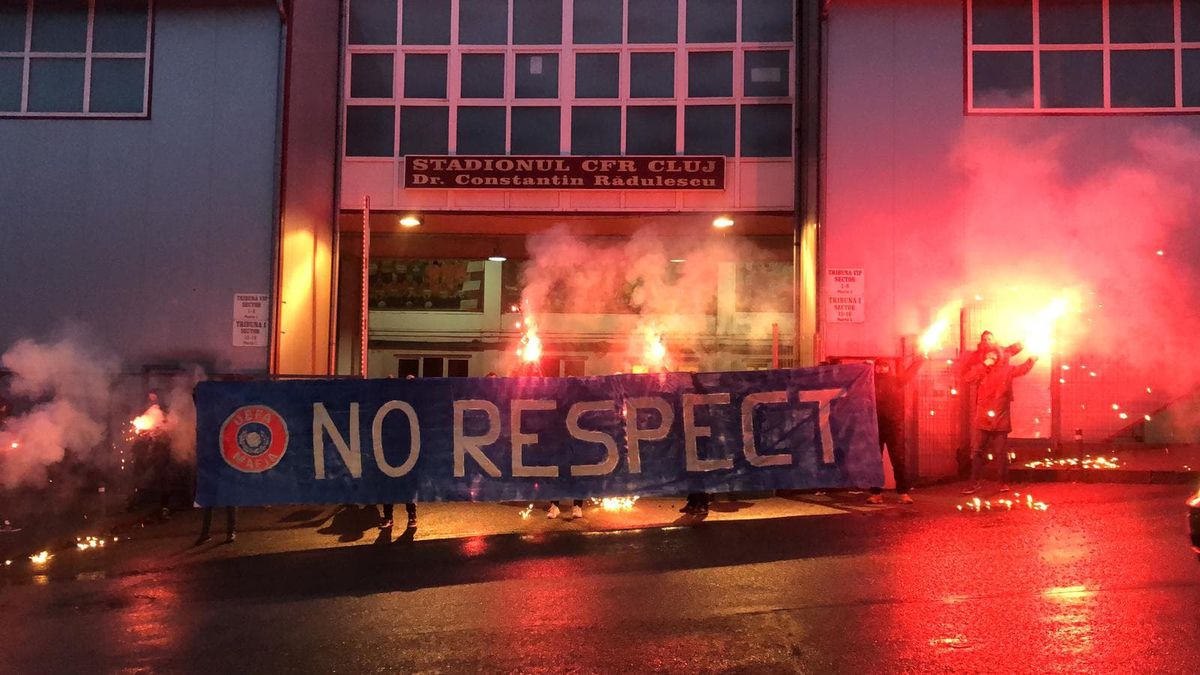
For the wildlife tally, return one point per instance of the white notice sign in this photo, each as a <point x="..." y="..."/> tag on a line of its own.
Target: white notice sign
<point x="845" y="289"/>
<point x="251" y="319"/>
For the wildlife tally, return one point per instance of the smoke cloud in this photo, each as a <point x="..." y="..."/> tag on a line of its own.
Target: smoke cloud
<point x="66" y="385"/>
<point x="65" y="393"/>
<point x="666" y="285"/>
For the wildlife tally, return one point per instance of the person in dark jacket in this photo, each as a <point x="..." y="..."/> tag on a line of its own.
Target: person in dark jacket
<point x="987" y="343"/>
<point x="991" y="421"/>
<point x="889" y="409"/>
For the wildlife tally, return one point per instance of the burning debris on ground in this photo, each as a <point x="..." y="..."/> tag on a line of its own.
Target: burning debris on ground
<point x="1088" y="462"/>
<point x="1002" y="503"/>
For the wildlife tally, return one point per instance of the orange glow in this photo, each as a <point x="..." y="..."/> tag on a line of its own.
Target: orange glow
<point x="654" y="352"/>
<point x="530" y="349"/>
<point x="1194" y="502"/>
<point x="933" y="338"/>
<point x="616" y="504"/>
<point x="149" y="420"/>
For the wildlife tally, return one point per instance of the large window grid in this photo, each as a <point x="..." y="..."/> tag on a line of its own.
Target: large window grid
<point x="566" y="54"/>
<point x="1059" y="67"/>
<point x="93" y="66"/>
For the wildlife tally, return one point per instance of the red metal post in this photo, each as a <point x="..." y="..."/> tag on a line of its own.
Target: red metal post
<point x="366" y="265"/>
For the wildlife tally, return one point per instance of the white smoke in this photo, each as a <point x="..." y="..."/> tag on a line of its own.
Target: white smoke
<point x="67" y="385"/>
<point x="65" y="391"/>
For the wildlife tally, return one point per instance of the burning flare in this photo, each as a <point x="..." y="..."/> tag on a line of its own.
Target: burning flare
<point x="932" y="339"/>
<point x="654" y="351"/>
<point x="530" y="348"/>
<point x="148" y="421"/>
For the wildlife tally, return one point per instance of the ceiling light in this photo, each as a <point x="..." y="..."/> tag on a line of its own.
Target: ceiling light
<point x="409" y="221"/>
<point x="722" y="222"/>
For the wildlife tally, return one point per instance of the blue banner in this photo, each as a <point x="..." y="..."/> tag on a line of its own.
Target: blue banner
<point x="534" y="438"/>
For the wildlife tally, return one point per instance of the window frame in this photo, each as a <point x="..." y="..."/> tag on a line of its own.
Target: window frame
<point x="567" y="50"/>
<point x="28" y="54"/>
<point x="1106" y="47"/>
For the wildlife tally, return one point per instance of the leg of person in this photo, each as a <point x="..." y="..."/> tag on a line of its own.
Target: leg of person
<point x="205" y="526"/>
<point x="977" y="450"/>
<point x="386" y="521"/>
<point x="554" y="510"/>
<point x="411" y="508"/>
<point x="898" y="452"/>
<point x="877" y="491"/>
<point x="693" y="500"/>
<point x="577" y="508"/>
<point x="230" y="523"/>
<point x="1001" y="446"/>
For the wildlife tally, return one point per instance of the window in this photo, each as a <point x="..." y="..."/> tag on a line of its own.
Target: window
<point x="535" y="131"/>
<point x="650" y="130"/>
<point x="595" y="130"/>
<point x="425" y="76"/>
<point x="642" y="77"/>
<point x="766" y="74"/>
<point x="372" y="22"/>
<point x="537" y="22"/>
<point x="481" y="130"/>
<point x="1082" y="55"/>
<point x="371" y="76"/>
<point x="766" y="131"/>
<point x="708" y="130"/>
<point x="483" y="22"/>
<point x="426" y="22"/>
<point x="653" y="21"/>
<point x="424" y="130"/>
<point x="74" y="58"/>
<point x="652" y="75"/>
<point x="482" y="76"/>
<point x="597" y="22"/>
<point x="710" y="74"/>
<point x="767" y="20"/>
<point x="431" y="366"/>
<point x="597" y="75"/>
<point x="711" y="21"/>
<point x="537" y="75"/>
<point x="370" y="130"/>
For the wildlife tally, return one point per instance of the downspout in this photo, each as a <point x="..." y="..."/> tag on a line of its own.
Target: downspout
<point x="806" y="240"/>
<point x="335" y="254"/>
<point x="277" y="211"/>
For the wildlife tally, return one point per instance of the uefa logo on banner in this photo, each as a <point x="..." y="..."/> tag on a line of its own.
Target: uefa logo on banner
<point x="253" y="439"/>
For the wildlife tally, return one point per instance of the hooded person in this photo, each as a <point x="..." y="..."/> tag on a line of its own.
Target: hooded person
<point x="889" y="408"/>
<point x="988" y="343"/>
<point x="991" y="420"/>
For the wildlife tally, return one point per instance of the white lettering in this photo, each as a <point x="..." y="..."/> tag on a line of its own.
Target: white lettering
<point x="473" y="445"/>
<point x="635" y="435"/>
<point x="520" y="439"/>
<point x="692" y="432"/>
<point x="350" y="452"/>
<point x="609" y="463"/>
<point x="749" y="445"/>
<point x="823" y="398"/>
<point x="414" y="445"/>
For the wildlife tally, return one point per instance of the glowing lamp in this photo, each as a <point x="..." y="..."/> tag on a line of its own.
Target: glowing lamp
<point x="722" y="222"/>
<point x="410" y="221"/>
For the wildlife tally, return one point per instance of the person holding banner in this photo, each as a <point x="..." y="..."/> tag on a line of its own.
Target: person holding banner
<point x="992" y="419"/>
<point x="385" y="522"/>
<point x="889" y="410"/>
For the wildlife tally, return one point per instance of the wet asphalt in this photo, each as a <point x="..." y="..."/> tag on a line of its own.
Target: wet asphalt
<point x="1102" y="581"/>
